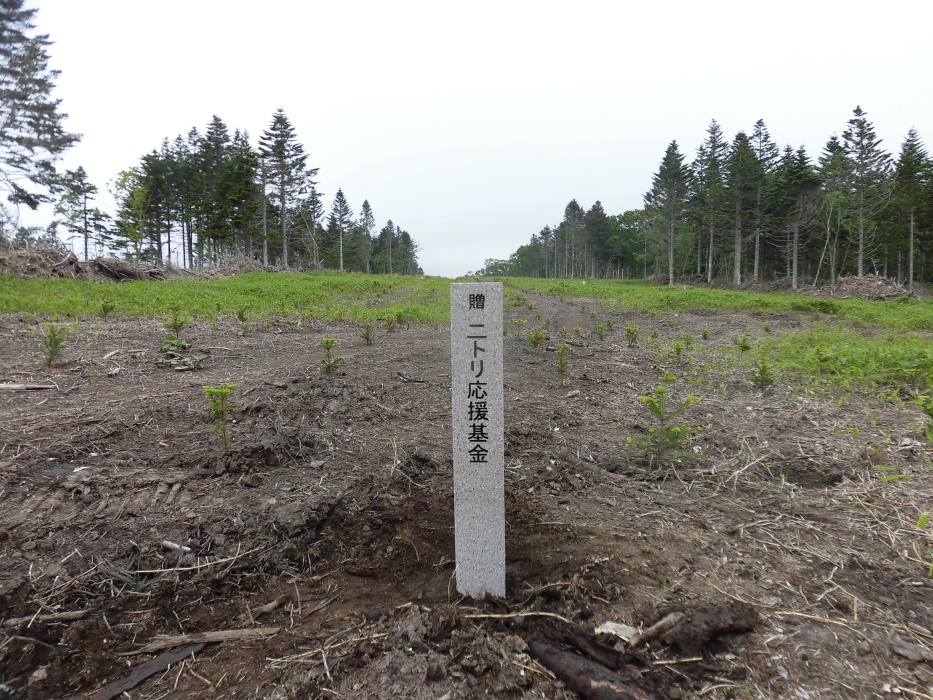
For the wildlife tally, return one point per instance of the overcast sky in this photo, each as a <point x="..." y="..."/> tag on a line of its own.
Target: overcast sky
<point x="471" y="125"/>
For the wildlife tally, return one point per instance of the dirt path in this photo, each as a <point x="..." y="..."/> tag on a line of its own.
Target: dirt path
<point x="330" y="518"/>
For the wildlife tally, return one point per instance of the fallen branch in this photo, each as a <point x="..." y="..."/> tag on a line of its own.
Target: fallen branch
<point x="274" y="605"/>
<point x="51" y="617"/>
<point x="25" y="387"/>
<point x="141" y="673"/>
<point x="166" y="642"/>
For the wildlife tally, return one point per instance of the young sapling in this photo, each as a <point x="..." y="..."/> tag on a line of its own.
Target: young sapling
<point x="53" y="341"/>
<point x="219" y="398"/>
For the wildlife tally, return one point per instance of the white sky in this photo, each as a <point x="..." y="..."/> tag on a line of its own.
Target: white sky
<point x="471" y="125"/>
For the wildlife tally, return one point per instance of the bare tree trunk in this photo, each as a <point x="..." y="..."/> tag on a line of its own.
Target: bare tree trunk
<point x="738" y="244"/>
<point x="709" y="259"/>
<point x="265" y="229"/>
<point x="910" y="255"/>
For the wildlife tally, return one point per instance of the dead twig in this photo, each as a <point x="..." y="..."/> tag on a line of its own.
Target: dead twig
<point x="167" y="642"/>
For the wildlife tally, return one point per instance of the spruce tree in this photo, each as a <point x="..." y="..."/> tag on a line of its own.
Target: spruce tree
<point x="870" y="177"/>
<point x="666" y="201"/>
<point x="340" y="224"/>
<point x="80" y="218"/>
<point x="710" y="188"/>
<point x="794" y="190"/>
<point x="366" y="224"/>
<point x="912" y="183"/>
<point x="767" y="154"/>
<point x="834" y="178"/>
<point x="285" y="162"/>
<point x="32" y="135"/>
<point x="743" y="175"/>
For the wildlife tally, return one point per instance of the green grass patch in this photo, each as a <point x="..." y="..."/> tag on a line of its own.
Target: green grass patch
<point x="333" y="296"/>
<point x="906" y="313"/>
<point x="853" y="360"/>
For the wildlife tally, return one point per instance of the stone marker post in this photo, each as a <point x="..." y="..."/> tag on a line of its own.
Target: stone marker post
<point x="478" y="423"/>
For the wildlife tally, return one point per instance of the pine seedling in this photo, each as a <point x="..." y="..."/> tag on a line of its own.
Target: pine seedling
<point x="631" y="335"/>
<point x="536" y="337"/>
<point x="53" y="341"/>
<point x="763" y="375"/>
<point x="577" y="331"/>
<point x="667" y="435"/>
<point x="704" y="333"/>
<point x="601" y="331"/>
<point x="176" y="320"/>
<point x="107" y="308"/>
<point x="563" y="361"/>
<point x="744" y="344"/>
<point x="330" y="364"/>
<point x="219" y="398"/>
<point x="368" y="333"/>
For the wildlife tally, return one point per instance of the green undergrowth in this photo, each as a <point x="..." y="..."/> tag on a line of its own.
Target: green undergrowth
<point x="906" y="313"/>
<point x="853" y="360"/>
<point x="332" y="296"/>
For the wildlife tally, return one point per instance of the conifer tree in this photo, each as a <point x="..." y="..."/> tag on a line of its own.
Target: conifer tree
<point x="834" y="178"/>
<point x="710" y="188"/>
<point x="80" y="218"/>
<point x="32" y="134"/>
<point x="285" y="161"/>
<point x="794" y="193"/>
<point x="870" y="177"/>
<point x="743" y="175"/>
<point x="666" y="201"/>
<point x="767" y="154"/>
<point x="912" y="182"/>
<point x="339" y="224"/>
<point x="366" y="224"/>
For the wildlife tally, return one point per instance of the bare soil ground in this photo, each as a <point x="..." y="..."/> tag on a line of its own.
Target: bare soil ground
<point x="326" y="529"/>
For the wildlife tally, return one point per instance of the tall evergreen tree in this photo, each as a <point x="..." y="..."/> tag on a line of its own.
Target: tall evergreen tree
<point x="743" y="175"/>
<point x="32" y="134"/>
<point x="366" y="225"/>
<point x="667" y="199"/>
<point x="767" y="154"/>
<point x="340" y="224"/>
<point x="80" y="217"/>
<point x="912" y="186"/>
<point x="870" y="181"/>
<point x="710" y="187"/>
<point x="794" y="190"/>
<point x="286" y="165"/>
<point x="835" y="176"/>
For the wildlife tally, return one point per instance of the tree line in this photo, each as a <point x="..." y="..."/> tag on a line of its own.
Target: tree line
<point x="204" y="197"/>
<point x="195" y="200"/>
<point x="747" y="210"/>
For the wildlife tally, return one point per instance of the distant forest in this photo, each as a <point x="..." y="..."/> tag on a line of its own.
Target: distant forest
<point x="749" y="211"/>
<point x="204" y="198"/>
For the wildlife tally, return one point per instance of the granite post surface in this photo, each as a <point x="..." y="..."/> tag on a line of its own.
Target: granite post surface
<point x="478" y="443"/>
